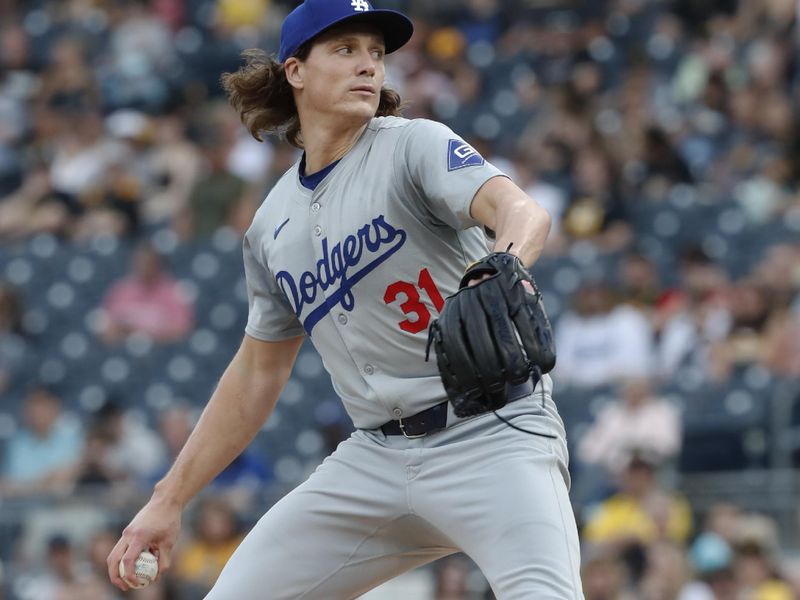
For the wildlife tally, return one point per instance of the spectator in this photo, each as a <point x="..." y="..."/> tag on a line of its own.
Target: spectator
<point x="219" y="198"/>
<point x="482" y="21"/>
<point x="640" y="282"/>
<point x="245" y="475"/>
<point x="747" y="342"/>
<point x="605" y="577"/>
<point x="17" y="88"/>
<point x="694" y="316"/>
<point x="148" y="301"/>
<point x="91" y="188"/>
<point x="666" y="571"/>
<point x="93" y="470"/>
<point x="216" y="534"/>
<point x="42" y="456"/>
<point x="451" y="575"/>
<point x="662" y="160"/>
<point x="74" y="186"/>
<point x="712" y="561"/>
<point x="722" y="522"/>
<point x="134" y="450"/>
<point x="233" y="14"/>
<point x="100" y="544"/>
<point x="783" y="352"/>
<point x="639" y="420"/>
<point x="776" y="273"/>
<point x="119" y="448"/>
<point x="64" y="577"/>
<point x="779" y="274"/>
<point x="68" y="81"/>
<point x="755" y="564"/>
<point x="600" y="341"/>
<point x="767" y="194"/>
<point x="175" y="425"/>
<point x="98" y="548"/>
<point x="14" y="343"/>
<point x="641" y="512"/>
<point x="551" y="197"/>
<point x="597" y="211"/>
<point x="141" y="55"/>
<point x="174" y="165"/>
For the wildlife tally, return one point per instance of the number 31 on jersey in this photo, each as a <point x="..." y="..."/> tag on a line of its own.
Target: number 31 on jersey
<point x="413" y="304"/>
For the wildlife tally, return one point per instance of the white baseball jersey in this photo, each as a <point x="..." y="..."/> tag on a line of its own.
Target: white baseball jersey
<point x="363" y="263"/>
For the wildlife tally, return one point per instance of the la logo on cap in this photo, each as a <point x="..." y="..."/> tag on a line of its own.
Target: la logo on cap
<point x="360" y="5"/>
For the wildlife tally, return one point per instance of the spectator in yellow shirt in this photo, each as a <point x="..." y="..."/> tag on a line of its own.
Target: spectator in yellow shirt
<point x="641" y="512"/>
<point x="216" y="535"/>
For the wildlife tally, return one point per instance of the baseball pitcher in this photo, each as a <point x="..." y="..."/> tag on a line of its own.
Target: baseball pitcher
<point x="374" y="246"/>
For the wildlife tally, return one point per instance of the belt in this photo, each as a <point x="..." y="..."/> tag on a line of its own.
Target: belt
<point x="434" y="419"/>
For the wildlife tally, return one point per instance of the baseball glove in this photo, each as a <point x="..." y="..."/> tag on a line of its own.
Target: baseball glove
<point x="491" y="335"/>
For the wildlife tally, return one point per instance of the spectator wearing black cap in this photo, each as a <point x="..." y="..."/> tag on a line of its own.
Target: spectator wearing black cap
<point x="63" y="578"/>
<point x="134" y="450"/>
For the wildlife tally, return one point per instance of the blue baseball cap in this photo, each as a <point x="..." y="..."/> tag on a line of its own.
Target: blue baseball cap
<point x="313" y="17"/>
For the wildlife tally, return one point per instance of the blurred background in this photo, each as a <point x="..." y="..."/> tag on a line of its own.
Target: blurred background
<point x="662" y="135"/>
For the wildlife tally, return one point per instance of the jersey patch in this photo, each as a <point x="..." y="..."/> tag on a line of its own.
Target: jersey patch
<point x="460" y="155"/>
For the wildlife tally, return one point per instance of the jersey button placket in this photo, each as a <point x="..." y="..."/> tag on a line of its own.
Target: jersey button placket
<point x="342" y="318"/>
<point x="317" y="231"/>
<point x="369" y="369"/>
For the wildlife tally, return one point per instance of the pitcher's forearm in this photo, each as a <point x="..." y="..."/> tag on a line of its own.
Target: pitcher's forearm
<point x="516" y="219"/>
<point x="524" y="226"/>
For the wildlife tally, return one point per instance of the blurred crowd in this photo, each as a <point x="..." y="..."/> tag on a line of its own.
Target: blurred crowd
<point x="624" y="118"/>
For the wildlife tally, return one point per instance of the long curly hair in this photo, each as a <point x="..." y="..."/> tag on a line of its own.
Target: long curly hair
<point x="263" y="97"/>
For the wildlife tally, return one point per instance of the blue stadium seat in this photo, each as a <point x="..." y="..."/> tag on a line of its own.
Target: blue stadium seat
<point x="722" y="424"/>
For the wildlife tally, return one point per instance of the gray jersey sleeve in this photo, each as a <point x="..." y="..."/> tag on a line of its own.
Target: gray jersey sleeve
<point x="270" y="317"/>
<point x="445" y="170"/>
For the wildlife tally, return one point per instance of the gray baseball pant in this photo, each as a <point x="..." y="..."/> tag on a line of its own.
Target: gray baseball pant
<point x="382" y="505"/>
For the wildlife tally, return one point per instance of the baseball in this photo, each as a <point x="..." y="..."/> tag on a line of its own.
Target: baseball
<point x="145" y="569"/>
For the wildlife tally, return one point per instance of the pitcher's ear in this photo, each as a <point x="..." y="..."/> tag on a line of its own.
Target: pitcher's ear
<point x="293" y="68"/>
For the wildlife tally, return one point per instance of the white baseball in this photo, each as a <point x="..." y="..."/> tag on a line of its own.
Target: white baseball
<point x="145" y="569"/>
